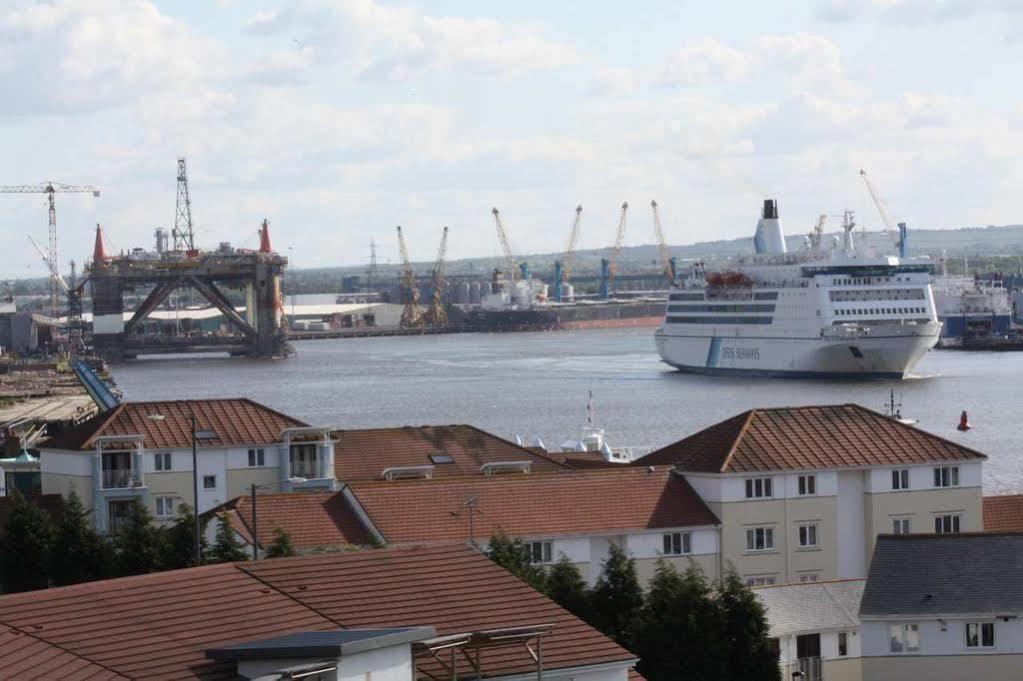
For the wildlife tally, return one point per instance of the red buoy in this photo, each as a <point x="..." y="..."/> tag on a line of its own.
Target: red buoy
<point x="964" y="422"/>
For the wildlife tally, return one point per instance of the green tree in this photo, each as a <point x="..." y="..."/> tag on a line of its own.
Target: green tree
<point x="675" y="632"/>
<point x="226" y="547"/>
<point x="179" y="547"/>
<point x="513" y="556"/>
<point x="78" y="553"/>
<point x="567" y="588"/>
<point x="281" y="546"/>
<point x="617" y="597"/>
<point x="25" y="549"/>
<point x="138" y="545"/>
<point x="744" y="633"/>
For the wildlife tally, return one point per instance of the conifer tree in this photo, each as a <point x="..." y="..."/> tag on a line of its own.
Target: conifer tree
<point x="744" y="633"/>
<point x="226" y="547"/>
<point x="567" y="588"/>
<point x="79" y="553"/>
<point x="138" y="545"/>
<point x="281" y="546"/>
<point x="179" y="547"/>
<point x="617" y="597"/>
<point x="25" y="548"/>
<point x="513" y="556"/>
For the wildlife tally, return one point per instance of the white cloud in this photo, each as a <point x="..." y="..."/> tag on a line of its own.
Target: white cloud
<point x="378" y="41"/>
<point x="912" y="12"/>
<point x="701" y="61"/>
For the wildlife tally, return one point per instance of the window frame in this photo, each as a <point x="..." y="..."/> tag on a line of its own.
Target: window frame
<point x="162" y="462"/>
<point x="843" y="644"/>
<point x="806" y="485"/>
<point x="805" y="532"/>
<point x="900" y="479"/>
<point x="906" y="522"/>
<point x="946" y="476"/>
<point x="955" y="523"/>
<point x="767" y="537"/>
<point x="544" y="547"/>
<point x="257" y="457"/>
<point x="163" y="501"/>
<point x="684" y="543"/>
<point x="760" y="487"/>
<point x="761" y="580"/>
<point x="982" y="627"/>
<point x="209" y="477"/>
<point x="903" y="639"/>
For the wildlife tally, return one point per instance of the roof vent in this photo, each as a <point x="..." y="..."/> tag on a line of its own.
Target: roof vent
<point x="407" y="472"/>
<point x="497" y="467"/>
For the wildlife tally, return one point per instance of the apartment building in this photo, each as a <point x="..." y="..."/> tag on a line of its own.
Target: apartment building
<point x="143" y="450"/>
<point x="650" y="512"/>
<point x="944" y="608"/>
<point x="802" y="492"/>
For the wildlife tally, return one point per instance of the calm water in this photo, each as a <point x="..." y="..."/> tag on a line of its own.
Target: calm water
<point x="536" y="383"/>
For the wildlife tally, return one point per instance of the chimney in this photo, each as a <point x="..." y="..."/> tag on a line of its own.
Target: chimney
<point x="99" y="254"/>
<point x="264" y="238"/>
<point x="770" y="209"/>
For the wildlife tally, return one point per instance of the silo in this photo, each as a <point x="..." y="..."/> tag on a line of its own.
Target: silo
<point x="474" y="293"/>
<point x="486" y="288"/>
<point x="461" y="293"/>
<point x="567" y="292"/>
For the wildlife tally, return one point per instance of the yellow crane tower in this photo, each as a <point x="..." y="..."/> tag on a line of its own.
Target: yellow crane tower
<point x="609" y="267"/>
<point x="412" y="314"/>
<point x="511" y="264"/>
<point x="437" y="314"/>
<point x="662" y="246"/>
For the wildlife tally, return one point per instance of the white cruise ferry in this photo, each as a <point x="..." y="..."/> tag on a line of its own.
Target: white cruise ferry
<point x="822" y="311"/>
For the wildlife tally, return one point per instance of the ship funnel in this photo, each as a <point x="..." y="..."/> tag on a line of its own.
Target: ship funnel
<point x="769" y="237"/>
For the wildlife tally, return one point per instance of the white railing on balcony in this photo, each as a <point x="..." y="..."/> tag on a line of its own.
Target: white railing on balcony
<point x="119" y="478"/>
<point x="811" y="668"/>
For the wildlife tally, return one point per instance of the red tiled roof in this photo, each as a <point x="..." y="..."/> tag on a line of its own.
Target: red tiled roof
<point x="236" y="421"/>
<point x="313" y="519"/>
<point x="158" y="626"/>
<point x="807" y="438"/>
<point x="1003" y="513"/>
<point x="532" y="505"/>
<point x="364" y="454"/>
<point x="23" y="656"/>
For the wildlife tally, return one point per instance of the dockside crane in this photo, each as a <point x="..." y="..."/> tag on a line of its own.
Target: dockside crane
<point x="563" y="267"/>
<point x="609" y="266"/>
<point x="515" y="269"/>
<point x="899" y="232"/>
<point x="50" y="189"/>
<point x="411" y="314"/>
<point x="436" y="313"/>
<point x="668" y="263"/>
<point x="74" y="299"/>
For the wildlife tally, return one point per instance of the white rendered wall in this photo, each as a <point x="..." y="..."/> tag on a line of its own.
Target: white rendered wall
<point x="951" y="641"/>
<point x="922" y="477"/>
<point x="852" y="542"/>
<point x="212" y="462"/>
<point x="65" y="462"/>
<point x="651" y="544"/>
<point x="393" y="663"/>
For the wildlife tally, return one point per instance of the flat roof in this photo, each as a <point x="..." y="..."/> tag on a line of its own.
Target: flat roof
<point x="321" y="644"/>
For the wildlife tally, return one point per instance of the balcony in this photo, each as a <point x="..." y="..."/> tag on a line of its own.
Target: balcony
<point x="119" y="478"/>
<point x="811" y="668"/>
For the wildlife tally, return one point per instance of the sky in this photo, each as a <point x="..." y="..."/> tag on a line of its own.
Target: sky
<point x="339" y="119"/>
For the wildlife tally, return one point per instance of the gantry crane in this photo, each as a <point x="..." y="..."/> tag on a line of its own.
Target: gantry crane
<point x="512" y="265"/>
<point x="609" y="266"/>
<point x="899" y="233"/>
<point x="436" y="313"/>
<point x="412" y="314"/>
<point x="50" y="189"/>
<point x="667" y="262"/>
<point x="74" y="299"/>
<point x="563" y="267"/>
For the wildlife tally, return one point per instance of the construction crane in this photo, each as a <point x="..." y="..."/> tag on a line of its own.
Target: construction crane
<point x="74" y="298"/>
<point x="184" y="238"/>
<point x="514" y="268"/>
<point x="50" y="189"/>
<point x="609" y="266"/>
<point x="667" y="262"/>
<point x="412" y="314"/>
<point x="436" y="313"/>
<point x="896" y="232"/>
<point x="563" y="267"/>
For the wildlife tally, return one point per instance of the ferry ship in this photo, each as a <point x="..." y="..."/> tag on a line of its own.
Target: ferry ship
<point x="821" y="311"/>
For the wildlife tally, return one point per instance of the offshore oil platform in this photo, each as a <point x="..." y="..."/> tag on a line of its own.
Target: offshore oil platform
<point x="252" y="277"/>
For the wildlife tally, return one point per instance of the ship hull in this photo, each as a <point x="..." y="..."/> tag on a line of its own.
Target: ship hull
<point x="611" y="315"/>
<point x="882" y="353"/>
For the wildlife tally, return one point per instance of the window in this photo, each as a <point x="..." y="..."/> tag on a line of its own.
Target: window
<point x="760" y="580"/>
<point x="163" y="461"/>
<point x="441" y="458"/>
<point x="900" y="478"/>
<point x="946" y="476"/>
<point x="539" y="552"/>
<point x="757" y="488"/>
<point x="678" y="543"/>
<point x="303" y="461"/>
<point x="904" y="638"/>
<point x="257" y="457"/>
<point x="807" y="485"/>
<point x="807" y="577"/>
<point x="209" y="482"/>
<point x="759" y="538"/>
<point x="900" y="525"/>
<point x="946" y="524"/>
<point x="808" y="536"/>
<point x="843" y="643"/>
<point x="980" y="634"/>
<point x="164" y="507"/>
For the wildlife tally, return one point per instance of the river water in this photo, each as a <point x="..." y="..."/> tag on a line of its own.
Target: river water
<point x="535" y="384"/>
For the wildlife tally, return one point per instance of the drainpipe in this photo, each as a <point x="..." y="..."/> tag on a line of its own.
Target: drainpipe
<point x="788" y="577"/>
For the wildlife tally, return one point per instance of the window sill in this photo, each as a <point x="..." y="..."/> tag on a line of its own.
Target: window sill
<point x="760" y="552"/>
<point x="808" y="549"/>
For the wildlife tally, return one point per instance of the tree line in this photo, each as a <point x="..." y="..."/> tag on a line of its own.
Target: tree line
<point x="38" y="551"/>
<point x="682" y="627"/>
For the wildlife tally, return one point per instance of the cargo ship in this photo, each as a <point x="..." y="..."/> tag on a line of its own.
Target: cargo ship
<point x="822" y="311"/>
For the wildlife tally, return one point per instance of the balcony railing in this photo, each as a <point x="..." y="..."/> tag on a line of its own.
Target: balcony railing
<point x="120" y="478"/>
<point x="811" y="668"/>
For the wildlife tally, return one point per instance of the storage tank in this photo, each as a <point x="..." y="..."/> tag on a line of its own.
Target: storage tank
<point x="567" y="293"/>
<point x="474" y="293"/>
<point x="462" y="293"/>
<point x="486" y="288"/>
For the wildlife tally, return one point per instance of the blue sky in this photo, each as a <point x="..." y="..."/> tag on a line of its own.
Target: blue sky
<point x="339" y="119"/>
